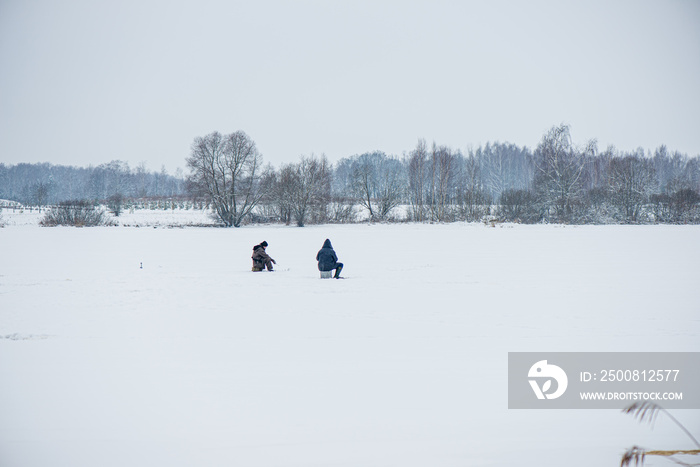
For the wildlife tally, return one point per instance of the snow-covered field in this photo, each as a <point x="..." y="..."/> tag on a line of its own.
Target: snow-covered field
<point x="193" y="360"/>
<point x="128" y="218"/>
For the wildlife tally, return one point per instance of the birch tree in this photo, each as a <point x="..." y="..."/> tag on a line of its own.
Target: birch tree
<point x="417" y="179"/>
<point x="559" y="173"/>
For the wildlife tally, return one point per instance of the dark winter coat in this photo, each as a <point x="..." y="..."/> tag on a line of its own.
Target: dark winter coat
<point x="326" y="257"/>
<point x="260" y="258"/>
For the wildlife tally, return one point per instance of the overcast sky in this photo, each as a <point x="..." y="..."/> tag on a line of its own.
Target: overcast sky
<point x="86" y="82"/>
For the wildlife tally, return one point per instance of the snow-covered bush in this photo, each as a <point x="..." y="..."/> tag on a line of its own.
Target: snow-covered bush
<point x="681" y="207"/>
<point x="518" y="206"/>
<point x="115" y="203"/>
<point x="78" y="213"/>
<point x="342" y="211"/>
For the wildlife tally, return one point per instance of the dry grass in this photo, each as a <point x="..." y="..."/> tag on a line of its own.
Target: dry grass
<point x="692" y="452"/>
<point x="648" y="412"/>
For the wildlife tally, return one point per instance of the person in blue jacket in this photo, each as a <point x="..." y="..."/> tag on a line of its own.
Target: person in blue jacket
<point x="327" y="259"/>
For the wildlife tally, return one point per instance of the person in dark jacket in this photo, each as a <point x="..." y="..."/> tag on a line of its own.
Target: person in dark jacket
<point x="327" y="259"/>
<point x="261" y="259"/>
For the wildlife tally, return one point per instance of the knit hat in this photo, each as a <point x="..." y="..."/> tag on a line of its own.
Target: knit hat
<point x="264" y="243"/>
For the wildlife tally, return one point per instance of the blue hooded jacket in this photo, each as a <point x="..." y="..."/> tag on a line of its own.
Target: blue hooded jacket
<point x="326" y="257"/>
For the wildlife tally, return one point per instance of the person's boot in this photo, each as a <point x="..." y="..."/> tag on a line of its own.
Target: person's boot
<point x="337" y="272"/>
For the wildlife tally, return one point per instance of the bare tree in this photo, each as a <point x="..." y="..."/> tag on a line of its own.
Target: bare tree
<point x="276" y="200"/>
<point x="317" y="174"/>
<point x="632" y="182"/>
<point x="473" y="200"/>
<point x="495" y="168"/>
<point x="517" y="206"/>
<point x="504" y="166"/>
<point x="341" y="210"/>
<point x="41" y="193"/>
<point x="364" y="184"/>
<point x="559" y="173"/>
<point x="227" y="170"/>
<point x="305" y="189"/>
<point x="377" y="183"/>
<point x="417" y="180"/>
<point x="443" y="164"/>
<point x="115" y="203"/>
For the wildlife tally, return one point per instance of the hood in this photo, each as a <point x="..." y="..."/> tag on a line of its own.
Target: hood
<point x="327" y="244"/>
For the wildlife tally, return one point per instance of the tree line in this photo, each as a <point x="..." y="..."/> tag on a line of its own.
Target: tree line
<point x="557" y="182"/>
<point x="47" y="184"/>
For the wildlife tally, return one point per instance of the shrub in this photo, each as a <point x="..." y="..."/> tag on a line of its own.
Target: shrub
<point x="518" y="206"/>
<point x="473" y="204"/>
<point x="79" y="213"/>
<point x="680" y="207"/>
<point x="115" y="203"/>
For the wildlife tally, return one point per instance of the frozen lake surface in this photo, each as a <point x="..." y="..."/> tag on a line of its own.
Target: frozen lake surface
<point x="193" y="360"/>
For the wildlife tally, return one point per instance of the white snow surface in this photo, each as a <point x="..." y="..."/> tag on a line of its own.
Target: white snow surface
<point x="194" y="360"/>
